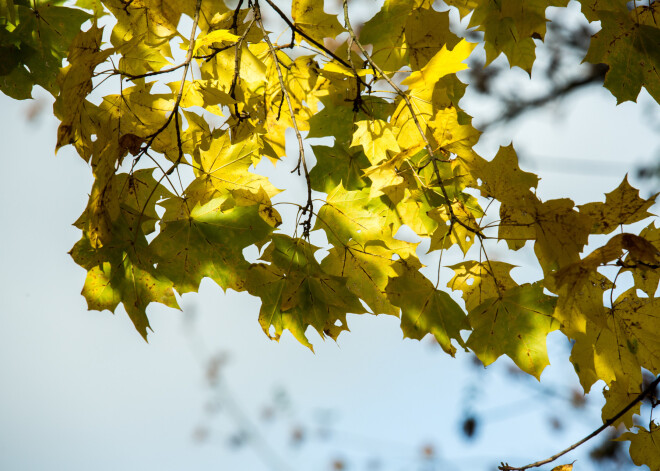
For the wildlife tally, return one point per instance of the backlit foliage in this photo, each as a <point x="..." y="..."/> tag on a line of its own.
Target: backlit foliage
<point x="198" y="103"/>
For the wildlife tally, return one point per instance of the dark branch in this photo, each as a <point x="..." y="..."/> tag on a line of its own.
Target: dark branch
<point x="649" y="389"/>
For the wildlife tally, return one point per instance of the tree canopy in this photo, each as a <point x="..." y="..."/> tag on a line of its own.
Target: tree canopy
<point x="202" y="92"/>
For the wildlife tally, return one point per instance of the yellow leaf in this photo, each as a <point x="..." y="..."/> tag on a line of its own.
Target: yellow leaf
<point x="525" y="310"/>
<point x="376" y="137"/>
<point x="502" y="178"/>
<point x="222" y="36"/>
<point x="337" y="68"/>
<point x="481" y="281"/>
<point x="248" y="197"/>
<point x="426" y="32"/>
<point x="425" y="309"/>
<point x="444" y="62"/>
<point x="622" y="206"/>
<point x="644" y="446"/>
<point x="618" y="395"/>
<point x="563" y="467"/>
<point x="308" y="15"/>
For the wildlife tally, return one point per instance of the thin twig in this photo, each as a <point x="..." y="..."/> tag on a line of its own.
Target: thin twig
<point x="309" y="207"/>
<point x="133" y="78"/>
<point x="237" y="63"/>
<point x="175" y="111"/>
<point x="297" y="30"/>
<point x="649" y="389"/>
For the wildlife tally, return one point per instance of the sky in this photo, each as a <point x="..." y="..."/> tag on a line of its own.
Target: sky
<point x="81" y="390"/>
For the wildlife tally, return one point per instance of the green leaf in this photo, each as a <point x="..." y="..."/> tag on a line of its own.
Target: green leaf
<point x="425" y="309"/>
<point x="205" y="241"/>
<point x="337" y="166"/>
<point x="630" y="46"/>
<point x="516" y="324"/>
<point x="297" y="293"/>
<point x="123" y="272"/>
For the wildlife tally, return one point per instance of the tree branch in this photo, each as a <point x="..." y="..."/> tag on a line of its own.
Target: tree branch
<point x="650" y="388"/>
<point x="309" y="207"/>
<point x="516" y="107"/>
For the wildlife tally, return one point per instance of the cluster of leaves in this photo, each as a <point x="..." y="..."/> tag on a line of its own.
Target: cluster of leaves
<point x="401" y="155"/>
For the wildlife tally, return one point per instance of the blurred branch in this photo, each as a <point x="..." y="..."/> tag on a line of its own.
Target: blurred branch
<point x="515" y="107"/>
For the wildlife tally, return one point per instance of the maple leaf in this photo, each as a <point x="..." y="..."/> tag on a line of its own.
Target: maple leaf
<point x="223" y="168"/>
<point x="616" y="347"/>
<point x="444" y="62"/>
<point x="385" y="31"/>
<point x="205" y="241"/>
<point x="646" y="275"/>
<point x="579" y="302"/>
<point x="75" y="83"/>
<point x="591" y="8"/>
<point x="617" y="396"/>
<point x="296" y="292"/>
<point x="376" y="138"/>
<point x="629" y="45"/>
<point x="622" y="206"/>
<point x="509" y="26"/>
<point x="366" y="270"/>
<point x="560" y="233"/>
<point x="34" y="46"/>
<point x="502" y="178"/>
<point x="336" y="165"/>
<point x="354" y="215"/>
<point x="425" y="309"/>
<point x="308" y="15"/>
<point x="448" y="233"/>
<point x="123" y="272"/>
<point x="644" y="445"/>
<point x="481" y="281"/>
<point x="524" y="310"/>
<point x="426" y="32"/>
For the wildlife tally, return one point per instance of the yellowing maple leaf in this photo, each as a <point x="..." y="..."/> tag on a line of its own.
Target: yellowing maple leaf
<point x="502" y="178"/>
<point x="221" y="36"/>
<point x="123" y="272"/>
<point x="509" y="26"/>
<point x="308" y="15"/>
<point x="366" y="270"/>
<point x="618" y="395"/>
<point x="524" y="310"/>
<point x="425" y="309"/>
<point x="622" y="206"/>
<point x="385" y="31"/>
<point x="207" y="241"/>
<point x="644" y="445"/>
<point x="481" y="281"/>
<point x="376" y="138"/>
<point x="355" y="215"/>
<point x="629" y="45"/>
<point x="296" y="292"/>
<point x="444" y="62"/>
<point x="427" y="31"/>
